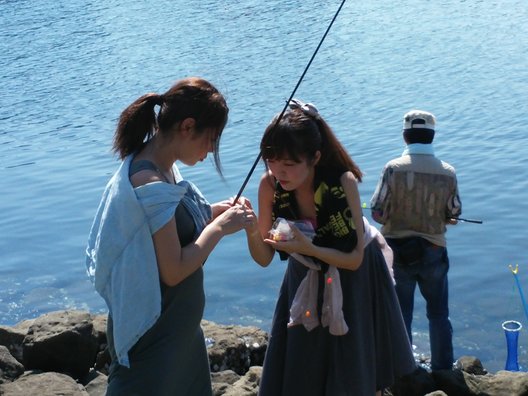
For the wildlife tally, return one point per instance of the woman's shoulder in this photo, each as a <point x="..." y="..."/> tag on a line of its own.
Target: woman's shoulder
<point x="143" y="172"/>
<point x="336" y="175"/>
<point x="348" y="177"/>
<point x="267" y="183"/>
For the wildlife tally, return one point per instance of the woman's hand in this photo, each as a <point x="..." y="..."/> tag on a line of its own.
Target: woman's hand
<point x="220" y="207"/>
<point x="235" y="218"/>
<point x="244" y="201"/>
<point x="299" y="244"/>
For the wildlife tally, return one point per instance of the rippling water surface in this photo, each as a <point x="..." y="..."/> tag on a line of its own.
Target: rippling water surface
<point x="68" y="68"/>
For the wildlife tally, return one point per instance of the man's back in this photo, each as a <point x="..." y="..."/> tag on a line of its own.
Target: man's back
<point x="416" y="196"/>
<point x="420" y="195"/>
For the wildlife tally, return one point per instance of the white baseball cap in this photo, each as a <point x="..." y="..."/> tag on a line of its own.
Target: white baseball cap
<point x="419" y="119"/>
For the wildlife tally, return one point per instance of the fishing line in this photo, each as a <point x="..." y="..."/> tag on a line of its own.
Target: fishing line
<point x="288" y="101"/>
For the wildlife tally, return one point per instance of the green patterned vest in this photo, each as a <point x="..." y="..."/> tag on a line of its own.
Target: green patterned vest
<point x="335" y="226"/>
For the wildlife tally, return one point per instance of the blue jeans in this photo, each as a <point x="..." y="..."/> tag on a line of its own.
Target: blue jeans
<point x="430" y="273"/>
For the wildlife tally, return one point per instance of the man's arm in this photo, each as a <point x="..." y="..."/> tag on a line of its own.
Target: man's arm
<point x="380" y="201"/>
<point x="454" y="205"/>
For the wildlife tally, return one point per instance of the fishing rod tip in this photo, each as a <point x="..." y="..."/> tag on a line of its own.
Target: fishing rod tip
<point x="514" y="271"/>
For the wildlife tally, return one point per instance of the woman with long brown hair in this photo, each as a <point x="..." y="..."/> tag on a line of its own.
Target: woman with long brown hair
<point x="337" y="328"/>
<point x="152" y="234"/>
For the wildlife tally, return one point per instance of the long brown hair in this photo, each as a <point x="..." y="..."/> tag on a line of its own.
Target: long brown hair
<point x="299" y="136"/>
<point x="192" y="97"/>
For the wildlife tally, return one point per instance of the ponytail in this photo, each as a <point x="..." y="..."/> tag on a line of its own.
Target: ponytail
<point x="136" y="125"/>
<point x="191" y="97"/>
<point x="334" y="154"/>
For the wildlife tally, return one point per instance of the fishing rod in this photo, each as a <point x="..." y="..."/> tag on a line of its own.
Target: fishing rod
<point x="364" y="206"/>
<point x="466" y="220"/>
<point x="288" y="101"/>
<point x="519" y="288"/>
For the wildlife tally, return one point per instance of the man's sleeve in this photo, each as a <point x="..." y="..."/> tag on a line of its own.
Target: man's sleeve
<point x="380" y="201"/>
<point x="454" y="205"/>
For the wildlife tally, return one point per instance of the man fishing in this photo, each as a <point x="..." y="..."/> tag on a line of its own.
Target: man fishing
<point x="416" y="196"/>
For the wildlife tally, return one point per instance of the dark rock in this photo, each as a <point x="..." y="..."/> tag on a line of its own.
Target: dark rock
<point x="13" y="337"/>
<point x="102" y="361"/>
<point x="451" y="382"/>
<point x="62" y="341"/>
<point x="418" y="383"/>
<point x="10" y="368"/>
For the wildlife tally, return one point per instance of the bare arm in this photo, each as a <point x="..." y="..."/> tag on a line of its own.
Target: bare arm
<point x="176" y="263"/>
<point x="261" y="252"/>
<point x="346" y="260"/>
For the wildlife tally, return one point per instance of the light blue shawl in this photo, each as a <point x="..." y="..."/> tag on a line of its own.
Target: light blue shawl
<point x="120" y="256"/>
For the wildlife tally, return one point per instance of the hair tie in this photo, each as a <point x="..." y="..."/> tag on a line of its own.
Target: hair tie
<point x="159" y="99"/>
<point x="307" y="108"/>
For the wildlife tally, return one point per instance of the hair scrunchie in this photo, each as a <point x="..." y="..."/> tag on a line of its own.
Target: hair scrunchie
<point x="307" y="108"/>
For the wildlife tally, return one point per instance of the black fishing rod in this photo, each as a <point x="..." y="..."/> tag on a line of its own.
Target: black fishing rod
<point x="288" y="101"/>
<point x="364" y="206"/>
<point x="466" y="220"/>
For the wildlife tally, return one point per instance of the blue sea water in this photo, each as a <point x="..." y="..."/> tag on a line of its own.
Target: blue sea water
<point x="68" y="68"/>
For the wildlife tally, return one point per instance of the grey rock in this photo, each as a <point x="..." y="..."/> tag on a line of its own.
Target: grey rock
<point x="222" y="381"/>
<point x="235" y="348"/>
<point x="43" y="384"/>
<point x="226" y="376"/>
<point x="248" y="385"/>
<point x="501" y="383"/>
<point x="74" y="342"/>
<point x="97" y="384"/>
<point x="471" y="365"/>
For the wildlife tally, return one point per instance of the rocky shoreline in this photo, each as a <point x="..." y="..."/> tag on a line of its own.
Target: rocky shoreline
<point x="64" y="353"/>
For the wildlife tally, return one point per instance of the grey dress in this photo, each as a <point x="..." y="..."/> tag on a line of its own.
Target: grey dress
<point x="373" y="353"/>
<point x="375" y="350"/>
<point x="171" y="357"/>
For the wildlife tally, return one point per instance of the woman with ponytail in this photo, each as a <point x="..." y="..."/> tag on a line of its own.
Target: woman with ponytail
<point x="337" y="328"/>
<point x="152" y="234"/>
